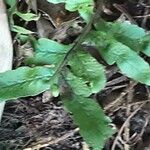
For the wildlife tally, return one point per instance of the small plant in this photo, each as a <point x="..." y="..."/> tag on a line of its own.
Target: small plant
<point x="72" y="73"/>
<point x="24" y="16"/>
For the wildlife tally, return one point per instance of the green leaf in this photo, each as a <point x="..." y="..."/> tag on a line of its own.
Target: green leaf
<point x="11" y="2"/>
<point x="27" y="16"/>
<point x="146" y="45"/>
<point x="122" y="28"/>
<point x="55" y="90"/>
<point x="86" y="12"/>
<point x="24" y="81"/>
<point x="84" y="7"/>
<point x="23" y="38"/>
<point x="78" y="85"/>
<point x="20" y="30"/>
<point x="129" y="35"/>
<point x="78" y="4"/>
<point x="86" y="75"/>
<point x="48" y="52"/>
<point x="129" y="62"/>
<point x="46" y="45"/>
<point x="11" y="10"/>
<point x="93" y="124"/>
<point x="98" y="39"/>
<point x="114" y="52"/>
<point x="125" y="33"/>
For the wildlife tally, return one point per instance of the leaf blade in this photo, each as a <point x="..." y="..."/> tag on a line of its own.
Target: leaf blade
<point x="126" y="33"/>
<point x="87" y="73"/>
<point x="128" y="61"/>
<point x="93" y="124"/>
<point x="24" y="81"/>
<point x="27" y="16"/>
<point x="48" y="52"/>
<point x="146" y="45"/>
<point x="20" y="30"/>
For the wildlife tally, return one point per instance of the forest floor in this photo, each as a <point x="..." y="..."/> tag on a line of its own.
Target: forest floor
<point x="42" y="123"/>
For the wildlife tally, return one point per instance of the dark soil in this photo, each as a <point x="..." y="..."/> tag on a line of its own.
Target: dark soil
<point x="27" y="122"/>
<point x="35" y="124"/>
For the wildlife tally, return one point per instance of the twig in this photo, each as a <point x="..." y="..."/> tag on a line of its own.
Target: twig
<point x="124" y="125"/>
<point x="116" y="103"/>
<point x="43" y="144"/>
<point x="6" y="47"/>
<point x="128" y="110"/>
<point x="143" y="16"/>
<point x="124" y="11"/>
<point x="136" y="137"/>
<point x="146" y="12"/>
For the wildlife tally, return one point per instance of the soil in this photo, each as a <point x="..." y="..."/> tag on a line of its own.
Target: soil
<point x="34" y="123"/>
<point x="27" y="122"/>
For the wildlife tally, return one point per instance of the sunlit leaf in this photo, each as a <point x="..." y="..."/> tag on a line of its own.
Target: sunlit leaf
<point x="20" y="30"/>
<point x="146" y="45"/>
<point x="129" y="62"/>
<point x="86" y="73"/>
<point x="124" y="32"/>
<point x="11" y="2"/>
<point x="24" y="82"/>
<point x="48" y="52"/>
<point x="93" y="124"/>
<point x="27" y="16"/>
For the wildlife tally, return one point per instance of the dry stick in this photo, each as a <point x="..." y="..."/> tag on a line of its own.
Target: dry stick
<point x="124" y="125"/>
<point x="50" y="142"/>
<point x="6" y="47"/>
<point x="145" y="18"/>
<point x="124" y="11"/>
<point x="116" y="103"/>
<point x="137" y="137"/>
<point x="128" y="111"/>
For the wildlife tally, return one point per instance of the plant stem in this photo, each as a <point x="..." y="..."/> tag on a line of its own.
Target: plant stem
<point x="6" y="47"/>
<point x="76" y="45"/>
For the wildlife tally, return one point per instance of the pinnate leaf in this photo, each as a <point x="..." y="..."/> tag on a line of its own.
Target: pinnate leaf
<point x="24" y="81"/>
<point x="93" y="124"/>
<point x="128" y="61"/>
